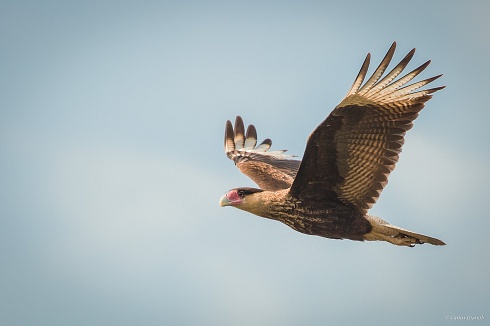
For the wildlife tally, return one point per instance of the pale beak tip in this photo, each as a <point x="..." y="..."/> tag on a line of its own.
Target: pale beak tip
<point x="223" y="201"/>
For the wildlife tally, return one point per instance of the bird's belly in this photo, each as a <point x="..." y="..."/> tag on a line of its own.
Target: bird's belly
<point x="329" y="222"/>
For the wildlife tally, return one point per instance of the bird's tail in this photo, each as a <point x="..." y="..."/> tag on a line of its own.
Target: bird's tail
<point x="383" y="231"/>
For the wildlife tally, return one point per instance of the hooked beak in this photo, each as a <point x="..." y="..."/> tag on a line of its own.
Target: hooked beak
<point x="223" y="201"/>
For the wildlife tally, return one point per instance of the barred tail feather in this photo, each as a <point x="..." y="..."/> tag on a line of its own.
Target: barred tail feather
<point x="383" y="231"/>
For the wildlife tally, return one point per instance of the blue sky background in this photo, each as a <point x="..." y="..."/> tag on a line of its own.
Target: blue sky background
<point x="111" y="132"/>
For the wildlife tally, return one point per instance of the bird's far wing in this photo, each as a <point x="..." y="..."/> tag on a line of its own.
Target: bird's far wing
<point x="270" y="170"/>
<point x="349" y="156"/>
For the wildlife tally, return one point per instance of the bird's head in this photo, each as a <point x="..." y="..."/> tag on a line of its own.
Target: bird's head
<point x="243" y="198"/>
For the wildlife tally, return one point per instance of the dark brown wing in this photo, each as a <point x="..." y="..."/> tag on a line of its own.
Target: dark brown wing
<point x="270" y="170"/>
<point x="349" y="156"/>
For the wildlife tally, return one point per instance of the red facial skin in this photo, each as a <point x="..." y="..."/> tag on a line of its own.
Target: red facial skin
<point x="233" y="197"/>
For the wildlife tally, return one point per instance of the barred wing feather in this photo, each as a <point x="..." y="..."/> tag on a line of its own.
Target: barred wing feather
<point x="270" y="170"/>
<point x="350" y="155"/>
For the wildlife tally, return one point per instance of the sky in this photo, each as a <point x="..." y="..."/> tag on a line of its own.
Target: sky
<point x="111" y="163"/>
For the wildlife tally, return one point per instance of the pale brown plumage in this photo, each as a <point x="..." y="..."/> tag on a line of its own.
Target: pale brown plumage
<point x="270" y="170"/>
<point x="346" y="164"/>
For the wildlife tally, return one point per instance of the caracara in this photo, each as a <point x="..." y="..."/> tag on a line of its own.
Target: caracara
<point x="346" y="163"/>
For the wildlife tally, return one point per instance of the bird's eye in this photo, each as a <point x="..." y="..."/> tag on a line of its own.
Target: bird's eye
<point x="240" y="193"/>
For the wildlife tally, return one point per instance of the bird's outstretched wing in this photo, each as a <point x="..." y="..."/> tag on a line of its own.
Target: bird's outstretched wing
<point x="349" y="156"/>
<point x="270" y="170"/>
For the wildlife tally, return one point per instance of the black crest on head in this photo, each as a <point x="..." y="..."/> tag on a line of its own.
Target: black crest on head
<point x="247" y="191"/>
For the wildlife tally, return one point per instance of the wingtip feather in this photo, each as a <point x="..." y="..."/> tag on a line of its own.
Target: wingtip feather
<point x="239" y="133"/>
<point x="379" y="71"/>
<point x="250" y="137"/>
<point x="360" y="76"/>
<point x="229" y="138"/>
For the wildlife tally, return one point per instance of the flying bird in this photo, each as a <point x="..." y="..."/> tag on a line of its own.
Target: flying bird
<point x="346" y="163"/>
